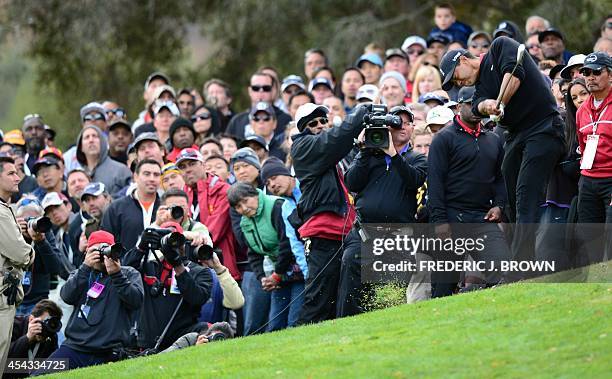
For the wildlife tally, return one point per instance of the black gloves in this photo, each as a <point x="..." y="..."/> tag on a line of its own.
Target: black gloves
<point x="149" y="240"/>
<point x="171" y="255"/>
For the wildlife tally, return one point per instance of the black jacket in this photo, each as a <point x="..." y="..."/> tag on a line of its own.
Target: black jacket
<point x="315" y="157"/>
<point x="110" y="316"/>
<point x="464" y="172"/>
<point x="20" y="343"/>
<point x="123" y="219"/>
<point x="46" y="263"/>
<point x="386" y="193"/>
<point x="532" y="102"/>
<point x="195" y="287"/>
<point x="238" y="123"/>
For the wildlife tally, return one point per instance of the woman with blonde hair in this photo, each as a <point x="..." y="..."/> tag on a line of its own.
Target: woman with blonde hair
<point x="427" y="79"/>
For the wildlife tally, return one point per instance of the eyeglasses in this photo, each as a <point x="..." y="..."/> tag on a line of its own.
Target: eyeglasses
<point x="119" y="112"/>
<point x="256" y="88"/>
<point x="586" y="72"/>
<point x="479" y="45"/>
<point x="322" y="120"/>
<point x="415" y="52"/>
<point x="532" y="46"/>
<point x="200" y="117"/>
<point x="262" y="118"/>
<point x="93" y="117"/>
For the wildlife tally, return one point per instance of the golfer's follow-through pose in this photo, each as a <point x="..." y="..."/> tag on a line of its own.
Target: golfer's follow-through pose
<point x="517" y="94"/>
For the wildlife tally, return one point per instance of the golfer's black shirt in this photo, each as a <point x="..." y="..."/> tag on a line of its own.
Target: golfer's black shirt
<point x="532" y="102"/>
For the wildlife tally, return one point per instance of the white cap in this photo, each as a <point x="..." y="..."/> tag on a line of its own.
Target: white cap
<point x="163" y="88"/>
<point x="575" y="60"/>
<point x="50" y="199"/>
<point x="170" y="105"/>
<point x="367" y="91"/>
<point x="413" y="40"/>
<point x="304" y="112"/>
<point x="439" y="115"/>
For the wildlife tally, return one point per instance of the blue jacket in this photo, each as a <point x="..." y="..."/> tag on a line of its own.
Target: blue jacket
<point x="297" y="247"/>
<point x="458" y="31"/>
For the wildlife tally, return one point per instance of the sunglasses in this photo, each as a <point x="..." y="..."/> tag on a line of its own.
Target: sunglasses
<point x="322" y="120"/>
<point x="93" y="117"/>
<point x="200" y="117"/>
<point x="119" y="112"/>
<point x="266" y="88"/>
<point x="262" y="118"/>
<point x="586" y="72"/>
<point x="479" y="45"/>
<point x="415" y="52"/>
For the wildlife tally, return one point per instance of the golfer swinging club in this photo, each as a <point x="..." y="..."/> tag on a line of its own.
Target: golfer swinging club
<point x="510" y="87"/>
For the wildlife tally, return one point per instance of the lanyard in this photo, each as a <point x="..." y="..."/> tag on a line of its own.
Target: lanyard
<point x="595" y="123"/>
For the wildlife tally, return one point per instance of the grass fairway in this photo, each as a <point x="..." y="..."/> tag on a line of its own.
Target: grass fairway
<point x="517" y="331"/>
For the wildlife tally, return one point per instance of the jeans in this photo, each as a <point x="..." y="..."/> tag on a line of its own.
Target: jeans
<point x="529" y="160"/>
<point x="282" y="298"/>
<point x="256" y="304"/>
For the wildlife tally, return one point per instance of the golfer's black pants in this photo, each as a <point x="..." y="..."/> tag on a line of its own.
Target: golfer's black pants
<point x="529" y="160"/>
<point x="323" y="257"/>
<point x="352" y="292"/>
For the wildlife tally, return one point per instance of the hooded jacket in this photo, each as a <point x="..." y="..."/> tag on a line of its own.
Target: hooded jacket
<point x="113" y="174"/>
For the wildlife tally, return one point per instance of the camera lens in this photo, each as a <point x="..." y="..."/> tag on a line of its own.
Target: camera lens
<point x="40" y="224"/>
<point x="177" y="212"/>
<point x="204" y="252"/>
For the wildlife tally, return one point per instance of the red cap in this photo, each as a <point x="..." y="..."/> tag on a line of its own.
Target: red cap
<point x="100" y="236"/>
<point x="174" y="225"/>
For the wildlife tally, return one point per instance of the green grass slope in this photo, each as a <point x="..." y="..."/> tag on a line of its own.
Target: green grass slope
<point x="516" y="331"/>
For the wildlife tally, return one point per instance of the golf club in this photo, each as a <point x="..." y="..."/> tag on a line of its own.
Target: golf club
<point x="520" y="54"/>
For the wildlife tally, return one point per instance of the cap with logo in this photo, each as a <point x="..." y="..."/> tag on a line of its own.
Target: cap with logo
<point x="438" y="37"/>
<point x="594" y="61"/>
<point x="308" y="112"/>
<point x="439" y="115"/>
<point x="262" y="106"/>
<point x="466" y="94"/>
<point x="52" y="199"/>
<point x="396" y="110"/>
<point x="159" y="105"/>
<point x="573" y="62"/>
<point x="45" y="161"/>
<point x="449" y="62"/>
<point x="189" y="154"/>
<point x="430" y="96"/>
<point x="320" y="81"/>
<point x="292" y="80"/>
<point x="93" y="189"/>
<point x="52" y="151"/>
<point x="368" y="92"/>
<point x="164" y="88"/>
<point x="414" y="40"/>
<point x="254" y="138"/>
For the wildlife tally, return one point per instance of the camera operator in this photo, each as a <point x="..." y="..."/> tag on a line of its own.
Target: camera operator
<point x="324" y="213"/>
<point x="35" y="336"/>
<point x="218" y="331"/>
<point x="175" y="287"/>
<point x="15" y="255"/>
<point x="105" y="296"/>
<point x="386" y="181"/>
<point x="37" y="228"/>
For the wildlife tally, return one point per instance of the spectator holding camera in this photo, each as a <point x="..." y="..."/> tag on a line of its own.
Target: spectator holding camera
<point x="270" y="258"/>
<point x="218" y="331"/>
<point x="174" y="287"/>
<point x="35" y="336"/>
<point x="36" y="228"/>
<point x="325" y="211"/>
<point x="385" y="180"/>
<point x="105" y="296"/>
<point x="15" y="255"/>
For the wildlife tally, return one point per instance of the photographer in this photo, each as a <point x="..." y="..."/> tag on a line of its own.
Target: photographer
<point x="174" y="287"/>
<point x="270" y="257"/>
<point x="218" y="331"/>
<point x="37" y="229"/>
<point x="105" y="296"/>
<point x="324" y="213"/>
<point x="15" y="255"/>
<point x="386" y="181"/>
<point x="35" y="336"/>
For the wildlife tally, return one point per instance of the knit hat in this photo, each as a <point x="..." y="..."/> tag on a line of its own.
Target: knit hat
<point x="100" y="236"/>
<point x="273" y="167"/>
<point x="246" y="154"/>
<point x="395" y="75"/>
<point x="182" y="123"/>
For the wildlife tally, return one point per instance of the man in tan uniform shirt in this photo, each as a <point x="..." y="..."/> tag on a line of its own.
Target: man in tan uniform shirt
<point x="15" y="254"/>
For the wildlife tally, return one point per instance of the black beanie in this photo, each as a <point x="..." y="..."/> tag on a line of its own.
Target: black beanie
<point x="182" y="123"/>
<point x="273" y="167"/>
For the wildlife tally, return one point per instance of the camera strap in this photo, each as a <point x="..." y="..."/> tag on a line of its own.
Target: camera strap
<point x="32" y="352"/>
<point x="163" y="335"/>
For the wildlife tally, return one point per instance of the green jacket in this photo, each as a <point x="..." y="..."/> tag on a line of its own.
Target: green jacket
<point x="259" y="231"/>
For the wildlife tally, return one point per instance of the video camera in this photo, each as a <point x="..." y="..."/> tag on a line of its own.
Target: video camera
<point x="111" y="251"/>
<point x="377" y="122"/>
<point x="39" y="224"/>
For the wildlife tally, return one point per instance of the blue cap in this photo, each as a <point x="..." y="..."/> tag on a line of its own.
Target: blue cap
<point x="370" y="57"/>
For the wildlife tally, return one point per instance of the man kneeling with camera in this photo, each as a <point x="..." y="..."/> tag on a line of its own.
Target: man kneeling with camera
<point x="105" y="296"/>
<point x="175" y="287"/>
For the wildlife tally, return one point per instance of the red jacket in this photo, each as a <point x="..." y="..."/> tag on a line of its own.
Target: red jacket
<point x="586" y="117"/>
<point x="214" y="213"/>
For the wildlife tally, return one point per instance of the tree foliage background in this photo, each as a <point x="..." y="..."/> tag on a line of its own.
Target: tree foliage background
<point x="58" y="55"/>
